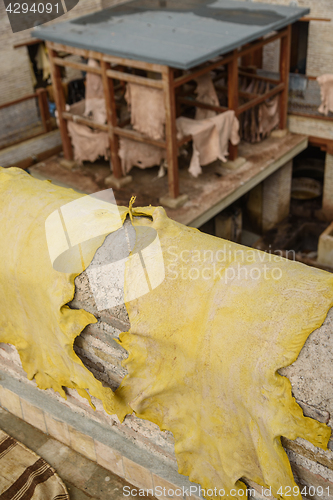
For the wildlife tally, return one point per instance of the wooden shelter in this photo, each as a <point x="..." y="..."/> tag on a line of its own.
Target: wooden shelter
<point x="178" y="41"/>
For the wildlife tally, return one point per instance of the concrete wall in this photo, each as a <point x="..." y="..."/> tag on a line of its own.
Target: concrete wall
<point x="15" y="74"/>
<point x="320" y="44"/>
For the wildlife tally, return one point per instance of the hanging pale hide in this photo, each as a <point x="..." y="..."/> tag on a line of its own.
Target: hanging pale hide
<point x="147" y="110"/>
<point x="94" y="99"/>
<point x="206" y="93"/>
<point x="139" y="154"/>
<point x="210" y="138"/>
<point x="326" y="93"/>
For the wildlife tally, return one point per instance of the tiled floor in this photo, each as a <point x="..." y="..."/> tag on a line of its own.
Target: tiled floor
<point x="84" y="479"/>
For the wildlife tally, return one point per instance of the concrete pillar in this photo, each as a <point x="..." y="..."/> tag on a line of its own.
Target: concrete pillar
<point x="228" y="225"/>
<point x="328" y="187"/>
<point x="325" y="247"/>
<point x="269" y="202"/>
<point x="276" y="197"/>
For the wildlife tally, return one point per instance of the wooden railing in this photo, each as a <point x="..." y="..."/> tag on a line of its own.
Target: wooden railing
<point x="46" y="121"/>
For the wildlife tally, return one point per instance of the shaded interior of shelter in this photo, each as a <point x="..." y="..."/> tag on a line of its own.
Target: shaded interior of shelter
<point x="297" y="236"/>
<point x="202" y="8"/>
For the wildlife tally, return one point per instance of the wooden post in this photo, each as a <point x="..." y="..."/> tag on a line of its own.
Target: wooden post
<point x="61" y="105"/>
<point x="170" y="132"/>
<point x="44" y="109"/>
<point x="112" y="120"/>
<point x="285" y="47"/>
<point x="233" y="96"/>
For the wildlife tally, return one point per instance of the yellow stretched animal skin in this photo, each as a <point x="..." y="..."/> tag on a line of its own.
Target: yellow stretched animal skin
<point x="203" y="352"/>
<point x="34" y="316"/>
<point x="204" y="355"/>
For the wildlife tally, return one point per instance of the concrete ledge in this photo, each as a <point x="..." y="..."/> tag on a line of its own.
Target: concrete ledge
<point x="88" y="437"/>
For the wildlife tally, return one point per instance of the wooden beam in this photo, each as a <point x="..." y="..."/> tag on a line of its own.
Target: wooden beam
<point x="285" y="46"/>
<point x="61" y="105"/>
<point x="170" y="132"/>
<point x="82" y="120"/>
<point x="122" y="132"/>
<point x="17" y="101"/>
<point x="202" y="70"/>
<point x="122" y="61"/>
<point x="257" y="45"/>
<point x="44" y="109"/>
<point x="246" y="95"/>
<point x="314" y="117"/>
<point x="136" y="136"/>
<point x="259" y="77"/>
<point x="203" y="105"/>
<point x="118" y="75"/>
<point x="323" y="144"/>
<point x="309" y="18"/>
<point x="233" y="96"/>
<point x="140" y="80"/>
<point x="82" y="67"/>
<point x="111" y="114"/>
<point x="33" y="41"/>
<point x="260" y="99"/>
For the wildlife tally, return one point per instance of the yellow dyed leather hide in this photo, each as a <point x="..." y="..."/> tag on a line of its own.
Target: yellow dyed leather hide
<point x="205" y="346"/>
<point x="34" y="316"/>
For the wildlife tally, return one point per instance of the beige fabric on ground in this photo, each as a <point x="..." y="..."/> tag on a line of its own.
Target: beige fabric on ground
<point x="88" y="144"/>
<point x="147" y="110"/>
<point x="138" y="154"/>
<point x="94" y="102"/>
<point x="210" y="138"/>
<point x="26" y="476"/>
<point x="326" y="92"/>
<point x="206" y="93"/>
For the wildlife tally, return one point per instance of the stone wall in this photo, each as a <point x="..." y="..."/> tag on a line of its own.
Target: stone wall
<point x="320" y="42"/>
<point x="15" y="75"/>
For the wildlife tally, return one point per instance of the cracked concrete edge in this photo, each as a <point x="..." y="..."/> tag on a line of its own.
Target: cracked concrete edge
<point x="95" y="430"/>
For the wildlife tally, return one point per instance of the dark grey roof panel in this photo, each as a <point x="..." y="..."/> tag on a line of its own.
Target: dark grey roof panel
<point x="177" y="33"/>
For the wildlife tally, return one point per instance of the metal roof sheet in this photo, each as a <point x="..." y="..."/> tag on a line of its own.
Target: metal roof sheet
<point x="177" y="33"/>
